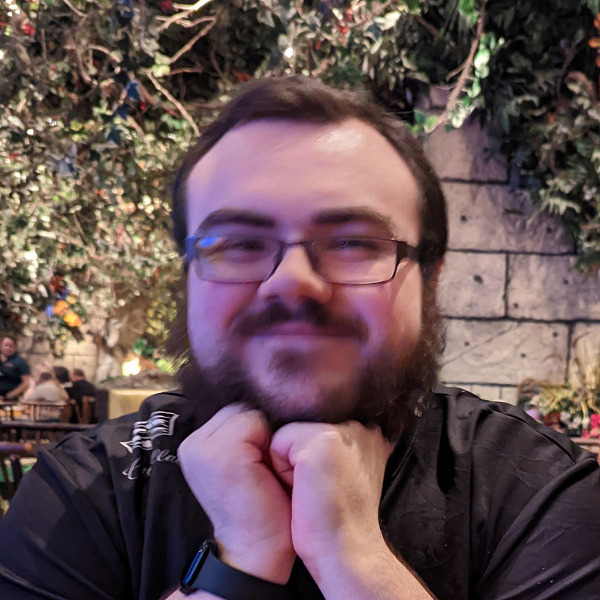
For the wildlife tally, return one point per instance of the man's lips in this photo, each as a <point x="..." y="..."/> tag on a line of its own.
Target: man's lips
<point x="298" y="329"/>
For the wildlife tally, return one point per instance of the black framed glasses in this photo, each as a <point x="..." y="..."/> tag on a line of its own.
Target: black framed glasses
<point x="349" y="260"/>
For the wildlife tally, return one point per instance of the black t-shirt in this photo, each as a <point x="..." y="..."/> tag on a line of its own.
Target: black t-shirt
<point x="11" y="373"/>
<point x="481" y="501"/>
<point x="80" y="388"/>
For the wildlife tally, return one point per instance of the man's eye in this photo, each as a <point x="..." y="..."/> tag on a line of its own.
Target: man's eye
<point x="242" y="245"/>
<point x="357" y="244"/>
<point x="235" y="249"/>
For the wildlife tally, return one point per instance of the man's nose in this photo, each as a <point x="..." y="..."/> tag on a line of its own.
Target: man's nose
<point x="295" y="280"/>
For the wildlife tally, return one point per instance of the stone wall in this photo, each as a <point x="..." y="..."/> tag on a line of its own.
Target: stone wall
<point x="515" y="308"/>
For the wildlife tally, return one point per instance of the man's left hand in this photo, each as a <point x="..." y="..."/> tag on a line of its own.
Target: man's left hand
<point x="336" y="475"/>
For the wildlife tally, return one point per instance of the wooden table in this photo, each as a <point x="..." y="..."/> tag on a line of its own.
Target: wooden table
<point x="17" y="430"/>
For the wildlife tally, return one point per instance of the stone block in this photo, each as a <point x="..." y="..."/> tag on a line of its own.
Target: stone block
<point x="107" y="367"/>
<point x="464" y="154"/>
<point x="85" y="347"/>
<point x="33" y="344"/>
<point x="42" y="360"/>
<point x="502" y="352"/>
<point x="584" y="364"/>
<point x="87" y="363"/>
<point x="549" y="288"/>
<point x="472" y="285"/>
<point x="497" y="218"/>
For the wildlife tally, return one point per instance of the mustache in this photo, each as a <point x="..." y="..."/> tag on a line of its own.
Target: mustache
<point x="310" y="312"/>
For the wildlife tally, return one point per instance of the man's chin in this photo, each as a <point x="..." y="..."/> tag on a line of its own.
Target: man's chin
<point x="309" y="398"/>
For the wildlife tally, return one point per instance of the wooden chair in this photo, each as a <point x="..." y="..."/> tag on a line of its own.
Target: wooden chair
<point x="87" y="409"/>
<point x="40" y="410"/>
<point x="11" y="454"/>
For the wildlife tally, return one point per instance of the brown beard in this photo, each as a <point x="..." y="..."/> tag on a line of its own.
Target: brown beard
<point x="392" y="392"/>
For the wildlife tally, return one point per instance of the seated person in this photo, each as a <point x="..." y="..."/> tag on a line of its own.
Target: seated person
<point x="14" y="370"/>
<point x="81" y="387"/>
<point x="47" y="390"/>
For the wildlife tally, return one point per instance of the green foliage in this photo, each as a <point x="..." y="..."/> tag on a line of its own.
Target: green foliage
<point x="99" y="98"/>
<point x="541" y="104"/>
<point x="88" y="137"/>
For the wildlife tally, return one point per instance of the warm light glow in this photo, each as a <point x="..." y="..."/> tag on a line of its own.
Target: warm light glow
<point x="131" y="367"/>
<point x="289" y="52"/>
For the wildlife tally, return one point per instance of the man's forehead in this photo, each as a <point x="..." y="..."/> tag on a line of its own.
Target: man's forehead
<point x="251" y="139"/>
<point x="301" y="167"/>
<point x="345" y="135"/>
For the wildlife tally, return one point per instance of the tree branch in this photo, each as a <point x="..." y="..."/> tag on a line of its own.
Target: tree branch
<point x="186" y="9"/>
<point x="187" y="24"/>
<point x="465" y="70"/>
<point x="136" y="126"/>
<point x="75" y="10"/>
<point x="180" y="107"/>
<point x="191" y="43"/>
<point x="188" y="70"/>
<point x="106" y="51"/>
<point x="44" y="47"/>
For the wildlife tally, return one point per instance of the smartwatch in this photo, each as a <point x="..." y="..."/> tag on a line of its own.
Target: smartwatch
<point x="208" y="573"/>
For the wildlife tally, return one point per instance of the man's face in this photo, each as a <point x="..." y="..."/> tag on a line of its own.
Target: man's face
<point x="8" y="347"/>
<point x="294" y="181"/>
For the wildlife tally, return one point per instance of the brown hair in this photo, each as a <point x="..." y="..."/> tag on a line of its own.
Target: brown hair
<point x="45" y="376"/>
<point x="300" y="98"/>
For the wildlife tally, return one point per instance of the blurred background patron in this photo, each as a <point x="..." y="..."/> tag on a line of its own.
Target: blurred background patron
<point x="15" y="374"/>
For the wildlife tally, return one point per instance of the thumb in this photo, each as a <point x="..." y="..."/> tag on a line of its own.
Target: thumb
<point x="280" y="462"/>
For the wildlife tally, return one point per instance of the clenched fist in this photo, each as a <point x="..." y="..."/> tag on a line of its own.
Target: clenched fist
<point x="336" y="475"/>
<point x="226" y="463"/>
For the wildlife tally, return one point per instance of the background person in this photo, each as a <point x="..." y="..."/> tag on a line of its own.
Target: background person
<point x="47" y="389"/>
<point x="14" y="370"/>
<point x="81" y="387"/>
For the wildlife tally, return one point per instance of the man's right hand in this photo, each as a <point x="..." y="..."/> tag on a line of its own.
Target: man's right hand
<point x="226" y="464"/>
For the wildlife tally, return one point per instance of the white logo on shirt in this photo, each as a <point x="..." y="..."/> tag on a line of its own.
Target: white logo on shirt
<point x="160" y="423"/>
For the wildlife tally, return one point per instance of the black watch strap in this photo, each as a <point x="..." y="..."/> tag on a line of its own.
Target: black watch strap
<point x="209" y="574"/>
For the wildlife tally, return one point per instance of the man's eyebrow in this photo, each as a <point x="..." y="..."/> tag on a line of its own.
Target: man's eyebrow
<point x="236" y="217"/>
<point x="352" y="215"/>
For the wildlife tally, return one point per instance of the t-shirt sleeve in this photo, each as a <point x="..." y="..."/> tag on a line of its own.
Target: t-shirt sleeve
<point x="536" y="524"/>
<point x="23" y="366"/>
<point x="551" y="550"/>
<point x="61" y="537"/>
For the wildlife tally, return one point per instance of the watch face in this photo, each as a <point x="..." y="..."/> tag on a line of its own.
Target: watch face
<point x="187" y="583"/>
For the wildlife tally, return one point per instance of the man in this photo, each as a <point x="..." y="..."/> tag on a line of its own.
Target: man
<point x="15" y="374"/>
<point x="308" y="444"/>
<point x="81" y="387"/>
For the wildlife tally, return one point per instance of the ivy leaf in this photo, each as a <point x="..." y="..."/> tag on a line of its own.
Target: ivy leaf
<point x="468" y="10"/>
